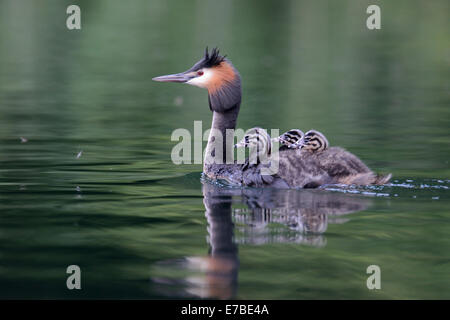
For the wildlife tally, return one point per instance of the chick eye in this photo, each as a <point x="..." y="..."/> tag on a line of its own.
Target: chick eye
<point x="199" y="73"/>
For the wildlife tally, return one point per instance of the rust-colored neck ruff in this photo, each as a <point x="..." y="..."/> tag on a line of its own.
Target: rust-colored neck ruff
<point x="223" y="75"/>
<point x="224" y="87"/>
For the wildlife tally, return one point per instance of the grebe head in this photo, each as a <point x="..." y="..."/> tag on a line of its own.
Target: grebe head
<point x="291" y="139"/>
<point x="257" y="139"/>
<point x="216" y="74"/>
<point x="314" y="141"/>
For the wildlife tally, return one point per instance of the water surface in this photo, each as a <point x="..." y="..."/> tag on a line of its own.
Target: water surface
<point x="92" y="184"/>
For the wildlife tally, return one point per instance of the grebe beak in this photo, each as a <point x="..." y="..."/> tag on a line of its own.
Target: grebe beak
<point x="177" y="77"/>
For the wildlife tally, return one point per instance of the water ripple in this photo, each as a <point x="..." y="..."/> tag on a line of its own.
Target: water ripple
<point x="434" y="189"/>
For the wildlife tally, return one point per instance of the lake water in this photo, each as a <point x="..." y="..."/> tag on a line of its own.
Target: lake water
<point x="86" y="176"/>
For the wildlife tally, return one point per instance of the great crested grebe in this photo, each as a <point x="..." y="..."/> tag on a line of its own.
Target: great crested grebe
<point x="260" y="145"/>
<point x="258" y="139"/>
<point x="297" y="168"/>
<point x="314" y="141"/>
<point x="290" y="139"/>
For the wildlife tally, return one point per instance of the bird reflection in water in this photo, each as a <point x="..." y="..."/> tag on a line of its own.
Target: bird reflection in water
<point x="260" y="216"/>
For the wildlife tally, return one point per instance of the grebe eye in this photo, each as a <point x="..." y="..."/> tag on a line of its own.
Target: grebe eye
<point x="200" y="73"/>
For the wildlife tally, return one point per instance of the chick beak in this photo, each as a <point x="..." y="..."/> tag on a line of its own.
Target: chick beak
<point x="239" y="144"/>
<point x="277" y="139"/>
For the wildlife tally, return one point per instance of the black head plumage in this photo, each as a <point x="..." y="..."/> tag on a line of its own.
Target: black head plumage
<point x="213" y="59"/>
<point x="209" y="60"/>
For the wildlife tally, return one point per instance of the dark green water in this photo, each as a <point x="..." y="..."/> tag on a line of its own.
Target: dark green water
<point x="141" y="227"/>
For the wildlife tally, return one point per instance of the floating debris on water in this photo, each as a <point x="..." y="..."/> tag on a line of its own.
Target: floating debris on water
<point x="79" y="154"/>
<point x="435" y="198"/>
<point x="23" y="140"/>
<point x="79" y="195"/>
